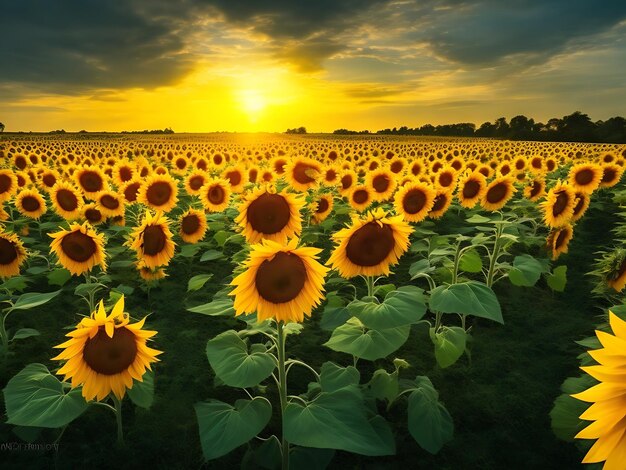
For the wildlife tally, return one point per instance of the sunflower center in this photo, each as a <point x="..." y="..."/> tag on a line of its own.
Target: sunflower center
<point x="281" y="279"/>
<point x="153" y="240"/>
<point x="30" y="204"/>
<point x="5" y="183"/>
<point x="8" y="253"/>
<point x="346" y="181"/>
<point x="93" y="215"/>
<point x="536" y="189"/>
<point x="268" y="213"/>
<point x="49" y="180"/>
<point x="505" y="170"/>
<point x="360" y="196"/>
<point x="110" y="356"/>
<point x="78" y="246"/>
<point x="190" y="224"/>
<point x="91" y="182"/>
<point x="496" y="193"/>
<point x="396" y="167"/>
<point x="159" y="193"/>
<point x="440" y="202"/>
<point x="519" y="164"/>
<point x="216" y="195"/>
<point x="181" y="163"/>
<point x="126" y="174"/>
<point x="584" y="177"/>
<point x="370" y="245"/>
<point x="561" y="203"/>
<point x="130" y="192"/>
<point x="20" y="162"/>
<point x="331" y="175"/>
<point x="381" y="183"/>
<point x="560" y="239"/>
<point x="445" y="179"/>
<point x="302" y="172"/>
<point x="67" y="200"/>
<point x="414" y="201"/>
<point x="109" y="202"/>
<point x="196" y="182"/>
<point x="608" y="176"/>
<point x="322" y="206"/>
<point x="470" y="189"/>
<point x="580" y="203"/>
<point x="234" y="177"/>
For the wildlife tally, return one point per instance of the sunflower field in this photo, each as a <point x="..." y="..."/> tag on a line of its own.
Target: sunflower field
<point x="272" y="301"/>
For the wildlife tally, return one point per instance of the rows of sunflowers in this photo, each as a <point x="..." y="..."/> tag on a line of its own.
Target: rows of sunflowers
<point x="314" y="232"/>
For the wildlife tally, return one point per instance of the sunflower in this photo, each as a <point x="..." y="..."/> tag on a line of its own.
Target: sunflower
<point x="92" y="214"/>
<point x="443" y="199"/>
<point x="382" y="182"/>
<point x="152" y="240"/>
<point x="536" y="190"/>
<point x="278" y="165"/>
<point x="66" y="200"/>
<point x="585" y="177"/>
<point x="498" y="193"/>
<point x="193" y="226"/>
<point x="123" y="172"/>
<point x="331" y="176"/>
<point x="149" y="274"/>
<point x="91" y="180"/>
<point x="608" y="411"/>
<point x="414" y="201"/>
<point x="180" y="165"/>
<point x="282" y="282"/>
<point x="471" y="189"/>
<point x="160" y="192"/>
<point x="130" y="190"/>
<point x="559" y="205"/>
<point x="110" y="204"/>
<point x="194" y="182"/>
<point x="12" y="254"/>
<point x="445" y="178"/>
<point x="611" y="174"/>
<point x="348" y="179"/>
<point x="270" y="215"/>
<point x="236" y="177"/>
<point x="302" y="173"/>
<point x="8" y="185"/>
<point x="321" y="208"/>
<point x="558" y="240"/>
<point x="614" y="269"/>
<point x="360" y="198"/>
<point x="79" y="249"/>
<point x="30" y="203"/>
<point x="105" y="353"/>
<point x="581" y="204"/>
<point x="215" y="195"/>
<point x="370" y="245"/>
<point x="48" y="178"/>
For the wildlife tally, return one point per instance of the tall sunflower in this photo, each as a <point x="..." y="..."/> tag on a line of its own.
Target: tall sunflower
<point x="413" y="201"/>
<point x="152" y="240"/>
<point x="608" y="411"/>
<point x="160" y="192"/>
<point x="498" y="193"/>
<point x="30" y="203"/>
<point x="443" y="199"/>
<point x="536" y="189"/>
<point x="12" y="254"/>
<point x="611" y="174"/>
<point x="471" y="189"/>
<point x="270" y="215"/>
<point x="105" y="353"/>
<point x="558" y="240"/>
<point x="585" y="177"/>
<point x="559" y="205"/>
<point x="321" y="208"/>
<point x="66" y="200"/>
<point x="303" y="173"/>
<point x="581" y="204"/>
<point x="282" y="282"/>
<point x="91" y="180"/>
<point x="382" y="182"/>
<point x="79" y="249"/>
<point x="215" y="195"/>
<point x="370" y="245"/>
<point x="193" y="226"/>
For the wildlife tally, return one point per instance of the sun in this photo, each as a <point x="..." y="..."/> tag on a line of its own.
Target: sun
<point x="252" y="102"/>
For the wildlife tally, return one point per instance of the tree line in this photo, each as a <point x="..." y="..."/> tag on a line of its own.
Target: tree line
<point x="575" y="127"/>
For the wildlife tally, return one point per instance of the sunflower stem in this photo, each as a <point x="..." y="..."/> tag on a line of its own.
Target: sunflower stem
<point x="4" y="336"/>
<point x="494" y="255"/>
<point x="282" y="388"/>
<point x="370" y="286"/>
<point x="118" y="417"/>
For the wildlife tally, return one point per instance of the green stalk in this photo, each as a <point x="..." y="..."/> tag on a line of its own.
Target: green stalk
<point x="282" y="389"/>
<point x="370" y="285"/>
<point x="4" y="336"/>
<point x="118" y="419"/>
<point x="494" y="256"/>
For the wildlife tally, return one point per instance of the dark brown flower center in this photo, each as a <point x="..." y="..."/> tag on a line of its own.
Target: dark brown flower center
<point x="440" y="202"/>
<point x="537" y="186"/>
<point x="561" y="203"/>
<point x="414" y="201"/>
<point x="31" y="204"/>
<point x="181" y="163"/>
<point x="216" y="195"/>
<point x="370" y="245"/>
<point x="109" y="202"/>
<point x="159" y="193"/>
<point x="5" y="183"/>
<point x="560" y="239"/>
<point x="109" y="356"/>
<point x="381" y="183"/>
<point x="93" y="215"/>
<point x="322" y="206"/>
<point x="196" y="182"/>
<point x="234" y="177"/>
<point x="331" y="175"/>
<point x="268" y="213"/>
<point x="190" y="224"/>
<point x="471" y="189"/>
<point x="20" y="162"/>
<point x="91" y="181"/>
<point x="584" y="177"/>
<point x="8" y="251"/>
<point x="78" y="246"/>
<point x="126" y="174"/>
<point x="281" y="279"/>
<point x="49" y="180"/>
<point x="445" y="179"/>
<point x="67" y="200"/>
<point x="130" y="192"/>
<point x="302" y="173"/>
<point x="609" y="175"/>
<point x="497" y="193"/>
<point x="360" y="196"/>
<point x="396" y="167"/>
<point x="346" y="181"/>
<point x="580" y="203"/>
<point x="153" y="240"/>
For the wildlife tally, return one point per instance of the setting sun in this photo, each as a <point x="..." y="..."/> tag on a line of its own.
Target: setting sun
<point x="252" y="103"/>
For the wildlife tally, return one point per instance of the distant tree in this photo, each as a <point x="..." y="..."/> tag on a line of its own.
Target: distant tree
<point x="576" y="127"/>
<point x="521" y="128"/>
<point x="501" y="127"/>
<point x="486" y="129"/>
<point x="1" y="127"/>
<point x="299" y="130"/>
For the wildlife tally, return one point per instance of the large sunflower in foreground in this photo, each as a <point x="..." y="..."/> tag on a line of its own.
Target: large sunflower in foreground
<point x="105" y="353"/>
<point x="152" y="240"/>
<point x="12" y="254"/>
<point x="283" y="282"/>
<point x="79" y="249"/>
<point x="559" y="205"/>
<point x="160" y="192"/>
<point x="608" y="411"/>
<point x="370" y="245"/>
<point x="270" y="215"/>
<point x="414" y="201"/>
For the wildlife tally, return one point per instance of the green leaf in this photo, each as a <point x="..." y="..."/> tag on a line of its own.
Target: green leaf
<point x="34" y="270"/>
<point x="430" y="424"/>
<point x="526" y="271"/>
<point x="221" y="237"/>
<point x="142" y="393"/>
<point x="189" y="251"/>
<point x="198" y="281"/>
<point x="384" y="289"/>
<point x="449" y="345"/>
<point x="35" y="397"/>
<point x="334" y="314"/>
<point x="337" y="420"/>
<point x="121" y="264"/>
<point x="478" y="219"/>
<point x="33" y="299"/>
<point x="219" y="307"/>
<point x="59" y="277"/>
<point x="471" y="262"/>
<point x="404" y="306"/>
<point x="557" y="279"/>
<point x="234" y="364"/>
<point x="369" y="344"/>
<point x="334" y="377"/>
<point x="15" y="283"/>
<point x="420" y="267"/>
<point x="384" y="386"/>
<point x="25" y="333"/>
<point x="564" y="417"/>
<point x="211" y="255"/>
<point x="224" y="427"/>
<point x="469" y="298"/>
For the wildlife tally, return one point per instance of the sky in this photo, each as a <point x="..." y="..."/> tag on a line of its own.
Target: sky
<point x="258" y="65"/>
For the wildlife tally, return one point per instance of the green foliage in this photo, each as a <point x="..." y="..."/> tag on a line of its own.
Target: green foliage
<point x="526" y="271"/>
<point x="449" y="344"/>
<point x="468" y="298"/>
